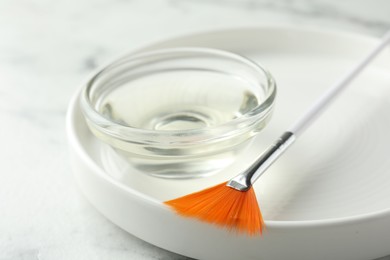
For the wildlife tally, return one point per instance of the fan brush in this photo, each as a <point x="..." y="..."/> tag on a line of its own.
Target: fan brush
<point x="233" y="204"/>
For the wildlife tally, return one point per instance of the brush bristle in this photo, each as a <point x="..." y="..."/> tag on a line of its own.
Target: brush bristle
<point x="223" y="206"/>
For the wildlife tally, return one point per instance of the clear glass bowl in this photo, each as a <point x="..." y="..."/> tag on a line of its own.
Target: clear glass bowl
<point x="179" y="113"/>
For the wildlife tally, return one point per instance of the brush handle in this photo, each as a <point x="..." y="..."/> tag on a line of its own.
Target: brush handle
<point x="319" y="106"/>
<point x="246" y="179"/>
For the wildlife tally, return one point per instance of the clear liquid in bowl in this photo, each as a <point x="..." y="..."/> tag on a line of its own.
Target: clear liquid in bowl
<point x="179" y="100"/>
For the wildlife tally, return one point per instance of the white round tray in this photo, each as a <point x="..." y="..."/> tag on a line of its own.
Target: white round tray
<point x="328" y="197"/>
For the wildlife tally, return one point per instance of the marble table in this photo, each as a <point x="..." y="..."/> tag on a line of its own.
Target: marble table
<point x="47" y="48"/>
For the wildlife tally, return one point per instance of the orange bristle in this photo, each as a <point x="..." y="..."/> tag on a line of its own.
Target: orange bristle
<point x="223" y="206"/>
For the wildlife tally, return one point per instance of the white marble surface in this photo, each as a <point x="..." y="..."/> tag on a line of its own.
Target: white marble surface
<point x="47" y="48"/>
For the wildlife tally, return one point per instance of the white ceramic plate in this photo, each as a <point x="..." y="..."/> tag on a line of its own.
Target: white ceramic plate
<point x="328" y="197"/>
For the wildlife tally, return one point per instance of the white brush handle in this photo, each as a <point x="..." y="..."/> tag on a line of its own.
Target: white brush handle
<point x="315" y="110"/>
<point x="244" y="181"/>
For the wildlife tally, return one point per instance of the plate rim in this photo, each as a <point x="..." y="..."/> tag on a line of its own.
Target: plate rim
<point x="73" y="111"/>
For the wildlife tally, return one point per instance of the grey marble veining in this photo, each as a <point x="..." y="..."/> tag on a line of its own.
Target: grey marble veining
<point x="47" y="48"/>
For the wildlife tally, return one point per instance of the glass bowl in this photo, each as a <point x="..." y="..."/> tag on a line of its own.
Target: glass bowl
<point x="181" y="112"/>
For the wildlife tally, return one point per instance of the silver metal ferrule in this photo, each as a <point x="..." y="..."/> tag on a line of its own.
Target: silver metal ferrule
<point x="244" y="180"/>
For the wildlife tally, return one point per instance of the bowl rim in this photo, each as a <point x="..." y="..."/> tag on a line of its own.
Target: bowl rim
<point x="124" y="133"/>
